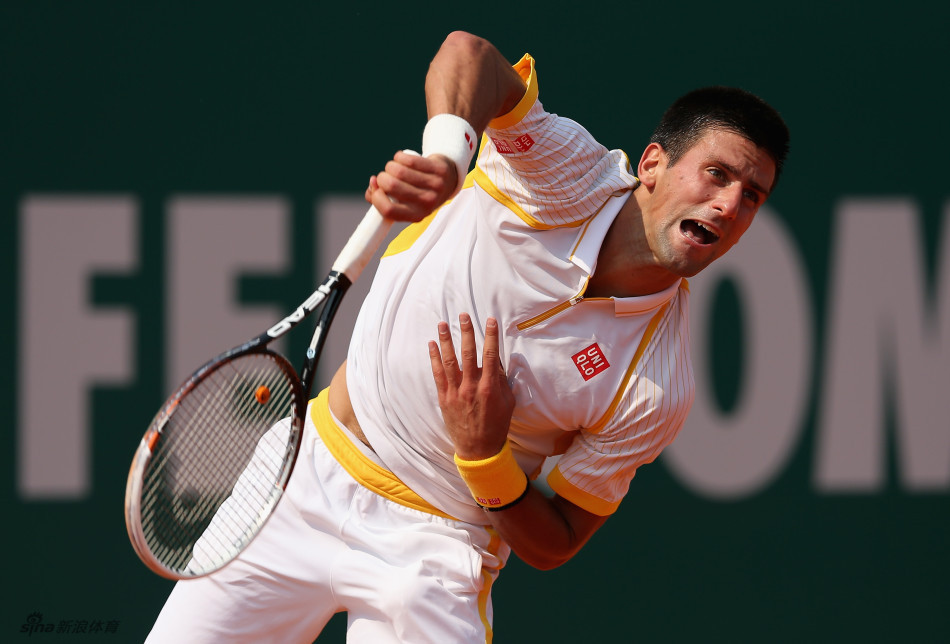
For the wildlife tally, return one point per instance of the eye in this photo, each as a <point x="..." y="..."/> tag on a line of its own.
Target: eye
<point x="752" y="196"/>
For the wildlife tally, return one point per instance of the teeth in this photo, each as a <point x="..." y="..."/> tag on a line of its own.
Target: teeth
<point x="698" y="231"/>
<point x="712" y="234"/>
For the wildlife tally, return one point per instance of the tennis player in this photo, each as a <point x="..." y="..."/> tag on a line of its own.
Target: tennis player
<point x="536" y="307"/>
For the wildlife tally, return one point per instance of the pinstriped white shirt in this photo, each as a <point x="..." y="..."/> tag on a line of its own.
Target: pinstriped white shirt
<point x="604" y="382"/>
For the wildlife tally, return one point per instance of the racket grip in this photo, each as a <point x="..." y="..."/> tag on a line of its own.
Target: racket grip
<point x="364" y="241"/>
<point x="362" y="245"/>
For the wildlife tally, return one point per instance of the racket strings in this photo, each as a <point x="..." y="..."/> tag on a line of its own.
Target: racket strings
<point x="218" y="466"/>
<point x="215" y="408"/>
<point x="198" y="494"/>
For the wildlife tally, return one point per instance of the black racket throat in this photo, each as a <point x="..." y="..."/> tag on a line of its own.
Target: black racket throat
<point x="330" y="306"/>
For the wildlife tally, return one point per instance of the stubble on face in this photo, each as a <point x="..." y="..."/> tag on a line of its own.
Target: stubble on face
<point x="703" y="203"/>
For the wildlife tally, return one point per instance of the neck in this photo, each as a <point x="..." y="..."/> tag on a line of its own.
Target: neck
<point x="626" y="266"/>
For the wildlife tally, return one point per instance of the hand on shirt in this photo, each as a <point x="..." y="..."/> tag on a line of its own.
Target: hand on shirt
<point x="411" y="186"/>
<point x="476" y="402"/>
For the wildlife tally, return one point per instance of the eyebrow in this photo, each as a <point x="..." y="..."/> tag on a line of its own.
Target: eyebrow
<point x="734" y="170"/>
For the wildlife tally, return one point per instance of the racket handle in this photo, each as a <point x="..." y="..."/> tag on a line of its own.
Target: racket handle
<point x="362" y="244"/>
<point x="364" y="241"/>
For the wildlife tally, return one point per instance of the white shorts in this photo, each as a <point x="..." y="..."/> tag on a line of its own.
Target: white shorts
<point x="402" y="572"/>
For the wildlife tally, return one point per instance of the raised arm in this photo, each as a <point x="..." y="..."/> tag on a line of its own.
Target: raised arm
<point x="470" y="79"/>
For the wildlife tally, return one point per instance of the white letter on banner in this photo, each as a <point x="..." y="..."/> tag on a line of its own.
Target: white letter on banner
<point x="884" y="338"/>
<point x="66" y="345"/>
<point x="736" y="455"/>
<point x="212" y="241"/>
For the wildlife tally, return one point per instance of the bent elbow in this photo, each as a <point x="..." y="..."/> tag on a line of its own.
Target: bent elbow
<point x="469" y="43"/>
<point x="546" y="560"/>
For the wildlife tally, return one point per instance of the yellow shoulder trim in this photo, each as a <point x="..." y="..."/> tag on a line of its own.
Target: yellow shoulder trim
<point x="580" y="498"/>
<point x="525" y="69"/>
<point x="486" y="184"/>
<point x="368" y="473"/>
<point x="408" y="236"/>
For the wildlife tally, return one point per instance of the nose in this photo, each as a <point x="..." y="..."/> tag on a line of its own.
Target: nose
<point x="728" y="200"/>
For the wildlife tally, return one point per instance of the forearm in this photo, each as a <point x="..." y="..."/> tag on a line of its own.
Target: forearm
<point x="544" y="532"/>
<point x="470" y="78"/>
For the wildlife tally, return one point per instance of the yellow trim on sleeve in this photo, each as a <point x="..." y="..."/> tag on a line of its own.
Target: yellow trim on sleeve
<point x="577" y="496"/>
<point x="486" y="184"/>
<point x="369" y="474"/>
<point x="525" y="69"/>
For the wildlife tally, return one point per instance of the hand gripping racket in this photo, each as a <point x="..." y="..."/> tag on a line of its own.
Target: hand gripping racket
<point x="216" y="458"/>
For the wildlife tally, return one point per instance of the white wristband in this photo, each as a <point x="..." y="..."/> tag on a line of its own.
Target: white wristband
<point x="452" y="137"/>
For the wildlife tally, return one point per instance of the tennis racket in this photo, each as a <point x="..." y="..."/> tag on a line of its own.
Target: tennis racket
<point x="217" y="456"/>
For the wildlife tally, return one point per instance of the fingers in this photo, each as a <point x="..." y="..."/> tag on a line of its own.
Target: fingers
<point x="469" y="350"/>
<point x="448" y="371"/>
<point x="450" y="367"/>
<point x="438" y="371"/>
<point x="371" y="189"/>
<point x="411" y="186"/>
<point x="491" y="354"/>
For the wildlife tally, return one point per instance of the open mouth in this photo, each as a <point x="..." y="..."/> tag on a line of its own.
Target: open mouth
<point x="697" y="232"/>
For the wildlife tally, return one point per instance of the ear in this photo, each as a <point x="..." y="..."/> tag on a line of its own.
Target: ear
<point x="653" y="159"/>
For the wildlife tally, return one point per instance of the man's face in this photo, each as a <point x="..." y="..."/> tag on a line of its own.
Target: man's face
<point x="702" y="204"/>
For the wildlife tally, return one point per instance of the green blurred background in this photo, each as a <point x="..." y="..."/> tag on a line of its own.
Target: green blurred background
<point x="297" y="101"/>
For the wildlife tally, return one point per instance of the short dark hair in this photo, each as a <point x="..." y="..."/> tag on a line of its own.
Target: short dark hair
<point x="686" y="121"/>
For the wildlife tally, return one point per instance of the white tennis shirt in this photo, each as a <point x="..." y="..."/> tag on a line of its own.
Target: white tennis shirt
<point x="604" y="382"/>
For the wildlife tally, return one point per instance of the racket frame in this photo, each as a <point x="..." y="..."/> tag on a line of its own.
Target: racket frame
<point x="351" y="261"/>
<point x="146" y="449"/>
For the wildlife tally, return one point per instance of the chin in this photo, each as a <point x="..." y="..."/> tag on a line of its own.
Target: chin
<point x="688" y="260"/>
<point x="687" y="273"/>
<point x="687" y="268"/>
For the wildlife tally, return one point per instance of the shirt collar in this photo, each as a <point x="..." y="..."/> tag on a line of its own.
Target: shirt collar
<point x="587" y="248"/>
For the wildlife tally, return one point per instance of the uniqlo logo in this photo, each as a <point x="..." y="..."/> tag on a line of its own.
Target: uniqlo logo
<point x="502" y="146"/>
<point x="522" y="144"/>
<point x="590" y="362"/>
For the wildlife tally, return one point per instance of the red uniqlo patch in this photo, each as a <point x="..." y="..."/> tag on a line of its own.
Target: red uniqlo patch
<point x="522" y="144"/>
<point x="590" y="362"/>
<point x="502" y="146"/>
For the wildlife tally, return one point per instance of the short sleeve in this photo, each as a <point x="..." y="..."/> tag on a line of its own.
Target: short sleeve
<point x="546" y="168"/>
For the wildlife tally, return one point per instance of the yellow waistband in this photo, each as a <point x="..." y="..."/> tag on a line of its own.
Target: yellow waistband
<point x="368" y="473"/>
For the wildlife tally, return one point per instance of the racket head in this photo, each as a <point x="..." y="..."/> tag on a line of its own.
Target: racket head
<point x="213" y="464"/>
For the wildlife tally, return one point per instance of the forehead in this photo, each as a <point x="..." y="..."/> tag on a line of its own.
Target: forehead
<point x="737" y="154"/>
